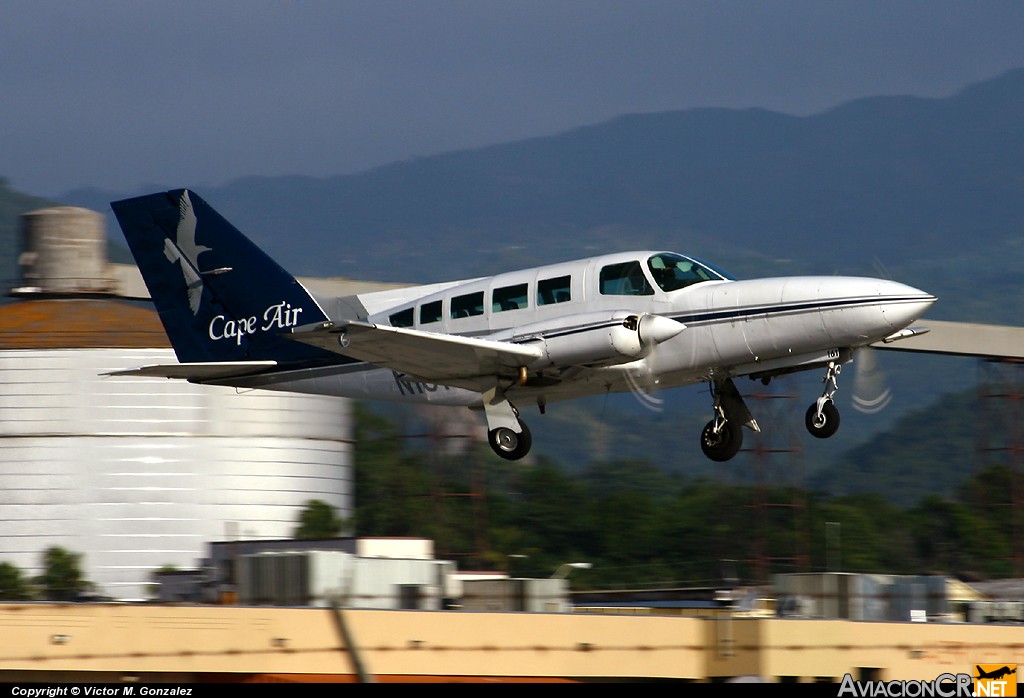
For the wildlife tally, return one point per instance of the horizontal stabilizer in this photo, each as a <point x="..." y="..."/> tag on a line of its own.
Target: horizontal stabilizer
<point x="203" y="371"/>
<point x="440" y="358"/>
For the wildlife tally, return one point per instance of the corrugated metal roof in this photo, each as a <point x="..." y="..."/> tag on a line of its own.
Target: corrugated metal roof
<point x="79" y="323"/>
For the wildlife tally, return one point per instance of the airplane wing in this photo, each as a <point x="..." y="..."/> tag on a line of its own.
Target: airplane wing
<point x="209" y="370"/>
<point x="960" y="339"/>
<point x="436" y="358"/>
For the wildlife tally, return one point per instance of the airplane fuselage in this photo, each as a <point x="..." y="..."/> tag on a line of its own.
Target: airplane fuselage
<point x="761" y="326"/>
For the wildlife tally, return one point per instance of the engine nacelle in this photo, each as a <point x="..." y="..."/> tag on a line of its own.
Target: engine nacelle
<point x="597" y="339"/>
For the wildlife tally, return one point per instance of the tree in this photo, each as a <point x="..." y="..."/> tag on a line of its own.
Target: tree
<point x="13" y="585"/>
<point x="62" y="576"/>
<point x="319" y="520"/>
<point x="393" y="486"/>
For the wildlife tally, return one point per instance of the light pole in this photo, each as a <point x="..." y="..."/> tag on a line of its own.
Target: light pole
<point x="563" y="571"/>
<point x="510" y="558"/>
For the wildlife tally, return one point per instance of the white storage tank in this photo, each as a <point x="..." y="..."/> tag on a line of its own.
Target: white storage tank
<point x="136" y="474"/>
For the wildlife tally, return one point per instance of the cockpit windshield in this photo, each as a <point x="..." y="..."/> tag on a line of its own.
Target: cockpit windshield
<point x="673" y="271"/>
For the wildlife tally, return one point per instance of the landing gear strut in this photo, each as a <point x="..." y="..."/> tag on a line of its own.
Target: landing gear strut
<point x="507" y="435"/>
<point x="822" y="419"/>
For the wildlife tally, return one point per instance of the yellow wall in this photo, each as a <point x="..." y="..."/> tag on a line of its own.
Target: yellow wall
<point x="182" y="642"/>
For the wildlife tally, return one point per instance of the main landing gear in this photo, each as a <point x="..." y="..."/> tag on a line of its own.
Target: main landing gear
<point x="508" y="444"/>
<point x="507" y="435"/>
<point x="722" y="437"/>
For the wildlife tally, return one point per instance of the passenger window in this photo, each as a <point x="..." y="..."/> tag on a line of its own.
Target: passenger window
<point x="626" y="279"/>
<point x="553" y="290"/>
<point x="467" y="305"/>
<point x="430" y="312"/>
<point x="509" y="298"/>
<point x="403" y="318"/>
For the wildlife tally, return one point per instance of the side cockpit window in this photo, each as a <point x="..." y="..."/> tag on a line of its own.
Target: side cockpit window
<point x="672" y="272"/>
<point x="403" y="318"/>
<point x="625" y="279"/>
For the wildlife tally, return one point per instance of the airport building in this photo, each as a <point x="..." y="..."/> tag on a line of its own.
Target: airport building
<point x="137" y="474"/>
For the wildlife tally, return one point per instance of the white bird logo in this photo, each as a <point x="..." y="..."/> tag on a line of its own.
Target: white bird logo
<point x="185" y="252"/>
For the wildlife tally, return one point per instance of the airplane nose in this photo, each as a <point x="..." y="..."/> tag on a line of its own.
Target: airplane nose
<point x="902" y="304"/>
<point x="861" y="308"/>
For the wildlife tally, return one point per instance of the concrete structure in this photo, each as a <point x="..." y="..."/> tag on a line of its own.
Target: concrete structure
<point x="101" y="643"/>
<point x="530" y="595"/>
<point x="64" y="251"/>
<point x="866" y="597"/>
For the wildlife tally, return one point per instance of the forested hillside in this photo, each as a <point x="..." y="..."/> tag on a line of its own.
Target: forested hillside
<point x="640" y="525"/>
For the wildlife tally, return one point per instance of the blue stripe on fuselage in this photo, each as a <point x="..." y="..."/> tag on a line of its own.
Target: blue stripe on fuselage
<point x="785" y="309"/>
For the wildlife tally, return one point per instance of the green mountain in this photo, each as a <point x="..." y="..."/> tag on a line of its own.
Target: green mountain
<point x="891" y="183"/>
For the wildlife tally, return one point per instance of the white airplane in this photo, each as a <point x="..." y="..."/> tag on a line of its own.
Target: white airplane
<point x="611" y="323"/>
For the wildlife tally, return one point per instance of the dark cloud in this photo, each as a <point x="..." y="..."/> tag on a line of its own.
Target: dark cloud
<point x="116" y="94"/>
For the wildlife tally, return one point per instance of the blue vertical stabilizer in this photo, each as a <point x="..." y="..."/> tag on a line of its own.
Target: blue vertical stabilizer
<point x="219" y="296"/>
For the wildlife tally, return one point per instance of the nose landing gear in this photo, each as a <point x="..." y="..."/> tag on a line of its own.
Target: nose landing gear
<point x="822" y="418"/>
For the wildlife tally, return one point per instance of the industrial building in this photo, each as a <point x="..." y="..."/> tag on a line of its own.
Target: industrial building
<point x="381" y="642"/>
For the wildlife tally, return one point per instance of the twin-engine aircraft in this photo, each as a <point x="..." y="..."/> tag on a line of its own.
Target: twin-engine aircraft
<point x="629" y="321"/>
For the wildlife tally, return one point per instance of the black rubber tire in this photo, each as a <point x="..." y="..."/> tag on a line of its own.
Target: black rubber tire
<point x="829" y="423"/>
<point x="508" y="444"/>
<point x="725" y="444"/>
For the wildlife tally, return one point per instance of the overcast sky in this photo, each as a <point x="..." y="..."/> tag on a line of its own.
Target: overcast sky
<point x="120" y="94"/>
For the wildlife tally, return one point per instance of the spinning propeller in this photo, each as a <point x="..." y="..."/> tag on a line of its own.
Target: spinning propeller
<point x="640" y="375"/>
<point x="871" y="391"/>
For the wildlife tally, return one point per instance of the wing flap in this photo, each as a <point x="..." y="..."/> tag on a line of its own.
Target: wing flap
<point x="438" y="358"/>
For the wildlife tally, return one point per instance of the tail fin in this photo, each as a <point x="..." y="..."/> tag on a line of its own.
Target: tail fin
<point x="220" y="297"/>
